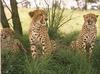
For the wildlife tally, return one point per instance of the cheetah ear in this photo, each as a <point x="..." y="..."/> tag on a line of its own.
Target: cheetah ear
<point x="84" y="16"/>
<point x="31" y="13"/>
<point x="97" y="16"/>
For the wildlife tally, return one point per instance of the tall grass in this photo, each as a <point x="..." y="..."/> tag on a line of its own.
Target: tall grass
<point x="63" y="61"/>
<point x="96" y="56"/>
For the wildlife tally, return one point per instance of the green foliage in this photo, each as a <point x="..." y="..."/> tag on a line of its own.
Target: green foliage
<point x="13" y="63"/>
<point x="74" y="63"/>
<point x="96" y="56"/>
<point x="56" y="19"/>
<point x="63" y="61"/>
<point x="25" y="41"/>
<point x="66" y="39"/>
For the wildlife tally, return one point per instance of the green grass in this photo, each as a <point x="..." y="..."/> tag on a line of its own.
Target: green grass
<point x="63" y="61"/>
<point x="96" y="56"/>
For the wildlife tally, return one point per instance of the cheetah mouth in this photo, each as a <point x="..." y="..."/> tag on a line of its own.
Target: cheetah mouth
<point x="89" y="23"/>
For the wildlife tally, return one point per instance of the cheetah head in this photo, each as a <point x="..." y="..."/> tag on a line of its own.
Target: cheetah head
<point x="90" y="18"/>
<point x="39" y="16"/>
<point x="7" y="33"/>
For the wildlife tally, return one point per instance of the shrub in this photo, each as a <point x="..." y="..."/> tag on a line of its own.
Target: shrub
<point x="56" y="18"/>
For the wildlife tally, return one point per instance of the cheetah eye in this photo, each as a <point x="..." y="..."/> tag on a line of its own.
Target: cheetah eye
<point x="86" y="17"/>
<point x="46" y="14"/>
<point x="40" y="14"/>
<point x="92" y="17"/>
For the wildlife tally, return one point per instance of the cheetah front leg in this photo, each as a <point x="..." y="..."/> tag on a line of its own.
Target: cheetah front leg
<point x="53" y="45"/>
<point x="33" y="51"/>
<point x="46" y="48"/>
<point x="90" y="51"/>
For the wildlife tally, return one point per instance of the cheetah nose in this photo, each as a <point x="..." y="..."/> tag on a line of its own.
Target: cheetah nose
<point x="89" y="22"/>
<point x="46" y="19"/>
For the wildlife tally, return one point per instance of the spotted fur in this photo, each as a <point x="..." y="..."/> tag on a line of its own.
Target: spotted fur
<point x="8" y="41"/>
<point x="86" y="39"/>
<point x="40" y="42"/>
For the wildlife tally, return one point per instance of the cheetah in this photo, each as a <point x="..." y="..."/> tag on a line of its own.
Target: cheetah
<point x="40" y="43"/>
<point x="9" y="42"/>
<point x="86" y="39"/>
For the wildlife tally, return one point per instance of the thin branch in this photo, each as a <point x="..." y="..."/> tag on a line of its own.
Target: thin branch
<point x="11" y="25"/>
<point x="68" y="15"/>
<point x="48" y="9"/>
<point x="67" y="21"/>
<point x="59" y="3"/>
<point x="20" y="2"/>
<point x="8" y="9"/>
<point x="46" y="3"/>
<point x="9" y="18"/>
<point x="7" y="6"/>
<point x="36" y="4"/>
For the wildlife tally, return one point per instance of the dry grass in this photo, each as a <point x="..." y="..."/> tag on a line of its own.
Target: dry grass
<point x="73" y="25"/>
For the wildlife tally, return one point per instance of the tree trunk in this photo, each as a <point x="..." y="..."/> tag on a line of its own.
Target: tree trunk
<point x="4" y="20"/>
<point x="85" y="7"/>
<point x="15" y="18"/>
